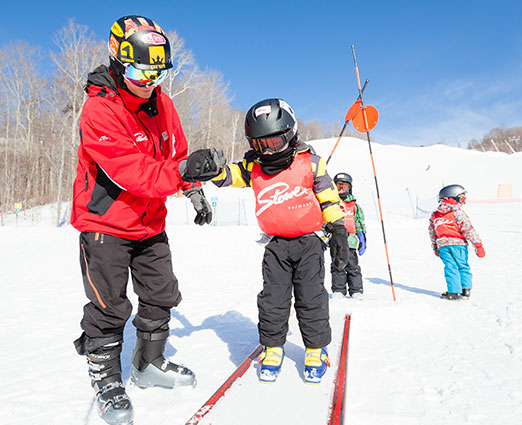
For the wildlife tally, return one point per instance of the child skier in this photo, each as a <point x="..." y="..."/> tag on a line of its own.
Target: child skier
<point x="354" y="223"/>
<point x="294" y="197"/>
<point x="450" y="231"/>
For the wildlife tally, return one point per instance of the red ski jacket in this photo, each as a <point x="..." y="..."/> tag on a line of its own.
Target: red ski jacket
<point x="449" y="225"/>
<point x="128" y="159"/>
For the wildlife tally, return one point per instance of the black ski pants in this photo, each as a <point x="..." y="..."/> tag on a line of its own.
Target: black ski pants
<point x="105" y="262"/>
<point x="350" y="274"/>
<point x="298" y="264"/>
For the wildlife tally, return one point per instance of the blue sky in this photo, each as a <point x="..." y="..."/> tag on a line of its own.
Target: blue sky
<point x="438" y="71"/>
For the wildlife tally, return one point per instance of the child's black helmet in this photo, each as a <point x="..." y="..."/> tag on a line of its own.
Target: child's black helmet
<point x="271" y="117"/>
<point x="454" y="191"/>
<point x="343" y="177"/>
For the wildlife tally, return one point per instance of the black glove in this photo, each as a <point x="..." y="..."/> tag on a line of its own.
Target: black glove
<point x="338" y="244"/>
<point x="201" y="205"/>
<point x="202" y="165"/>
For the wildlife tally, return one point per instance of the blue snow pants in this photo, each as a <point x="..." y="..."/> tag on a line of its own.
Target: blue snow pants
<point x="456" y="268"/>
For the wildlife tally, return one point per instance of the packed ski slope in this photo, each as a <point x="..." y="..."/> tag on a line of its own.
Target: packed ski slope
<point x="419" y="360"/>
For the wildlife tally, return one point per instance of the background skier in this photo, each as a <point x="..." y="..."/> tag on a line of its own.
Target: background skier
<point x="128" y="163"/>
<point x="294" y="197"/>
<point x="450" y="231"/>
<point x="354" y="222"/>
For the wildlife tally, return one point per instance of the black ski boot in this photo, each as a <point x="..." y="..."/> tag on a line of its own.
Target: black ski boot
<point x="114" y="405"/>
<point x="466" y="293"/>
<point x="451" y="296"/>
<point x="149" y="368"/>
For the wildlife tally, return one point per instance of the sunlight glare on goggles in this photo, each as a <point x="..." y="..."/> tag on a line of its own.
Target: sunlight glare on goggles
<point x="144" y="77"/>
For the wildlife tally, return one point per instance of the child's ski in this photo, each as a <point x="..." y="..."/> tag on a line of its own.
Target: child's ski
<point x="212" y="401"/>
<point x="337" y="407"/>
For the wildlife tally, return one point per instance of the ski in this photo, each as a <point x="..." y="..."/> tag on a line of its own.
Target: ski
<point x="214" y="399"/>
<point x="336" y="416"/>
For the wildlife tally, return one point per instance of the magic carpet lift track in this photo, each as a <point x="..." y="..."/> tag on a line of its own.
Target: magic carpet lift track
<point x="337" y="405"/>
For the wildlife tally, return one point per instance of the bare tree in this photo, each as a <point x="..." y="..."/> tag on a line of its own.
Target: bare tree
<point x="22" y="90"/>
<point x="184" y="66"/>
<point x="79" y="51"/>
<point x="214" y="109"/>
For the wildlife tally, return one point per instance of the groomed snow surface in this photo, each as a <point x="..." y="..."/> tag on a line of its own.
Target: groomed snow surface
<point x="418" y="360"/>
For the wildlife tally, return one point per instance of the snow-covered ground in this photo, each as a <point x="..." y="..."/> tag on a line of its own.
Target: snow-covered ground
<point x="419" y="360"/>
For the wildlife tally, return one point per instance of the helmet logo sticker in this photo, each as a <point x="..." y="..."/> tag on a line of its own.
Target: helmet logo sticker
<point x="130" y="27"/>
<point x="157" y="56"/>
<point x="116" y="30"/>
<point x="267" y="109"/>
<point x="287" y="108"/>
<point x="153" y="38"/>
<point x="113" y="45"/>
<point x="126" y="51"/>
<point x="145" y="24"/>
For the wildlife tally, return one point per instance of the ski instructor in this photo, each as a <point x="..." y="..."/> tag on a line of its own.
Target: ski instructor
<point x="131" y="144"/>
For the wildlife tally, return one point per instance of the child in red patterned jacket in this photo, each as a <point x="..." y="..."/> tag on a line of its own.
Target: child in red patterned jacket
<point x="450" y="231"/>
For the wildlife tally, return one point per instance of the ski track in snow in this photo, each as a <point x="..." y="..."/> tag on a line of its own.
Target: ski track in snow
<point x="419" y="360"/>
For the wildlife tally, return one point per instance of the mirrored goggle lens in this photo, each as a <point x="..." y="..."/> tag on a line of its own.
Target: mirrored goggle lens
<point x="268" y="144"/>
<point x="462" y="198"/>
<point x="145" y="78"/>
<point x="342" y="186"/>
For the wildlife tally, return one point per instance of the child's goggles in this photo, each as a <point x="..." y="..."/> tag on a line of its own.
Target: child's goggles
<point x="144" y="77"/>
<point x="272" y="144"/>
<point x="461" y="198"/>
<point x="269" y="144"/>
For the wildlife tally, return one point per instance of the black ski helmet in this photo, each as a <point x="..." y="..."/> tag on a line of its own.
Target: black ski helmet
<point x="139" y="41"/>
<point x="343" y="177"/>
<point x="271" y="117"/>
<point x="454" y="191"/>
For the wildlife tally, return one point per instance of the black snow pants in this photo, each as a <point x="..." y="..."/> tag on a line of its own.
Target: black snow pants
<point x="298" y="264"/>
<point x="105" y="262"/>
<point x="350" y="274"/>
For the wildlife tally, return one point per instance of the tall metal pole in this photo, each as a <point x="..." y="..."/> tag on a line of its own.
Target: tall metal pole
<point x="374" y="172"/>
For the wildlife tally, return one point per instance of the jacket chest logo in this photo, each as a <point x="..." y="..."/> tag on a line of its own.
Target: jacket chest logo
<point x="140" y="137"/>
<point x="441" y="221"/>
<point x="276" y="194"/>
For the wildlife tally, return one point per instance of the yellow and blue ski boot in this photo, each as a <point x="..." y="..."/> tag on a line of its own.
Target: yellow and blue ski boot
<point x="316" y="363"/>
<point x="270" y="360"/>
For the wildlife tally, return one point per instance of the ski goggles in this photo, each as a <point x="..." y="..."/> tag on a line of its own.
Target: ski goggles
<point x="461" y="198"/>
<point x="145" y="77"/>
<point x="343" y="187"/>
<point x="272" y="144"/>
